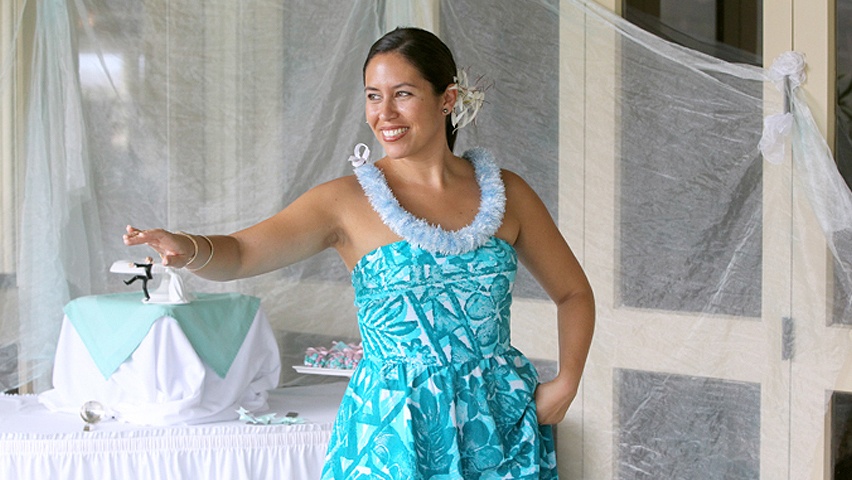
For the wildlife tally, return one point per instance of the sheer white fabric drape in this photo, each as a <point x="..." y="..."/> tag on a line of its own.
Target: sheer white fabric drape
<point x="60" y="249"/>
<point x="208" y="116"/>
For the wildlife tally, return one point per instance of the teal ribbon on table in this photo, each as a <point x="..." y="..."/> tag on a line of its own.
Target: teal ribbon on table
<point x="112" y="326"/>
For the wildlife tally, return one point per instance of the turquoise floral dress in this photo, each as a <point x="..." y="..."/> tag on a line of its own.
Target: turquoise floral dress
<point x="440" y="392"/>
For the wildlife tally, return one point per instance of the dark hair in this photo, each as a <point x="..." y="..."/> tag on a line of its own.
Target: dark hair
<point x="428" y="54"/>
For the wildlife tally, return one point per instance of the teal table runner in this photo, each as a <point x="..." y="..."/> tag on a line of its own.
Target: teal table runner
<point x="112" y="326"/>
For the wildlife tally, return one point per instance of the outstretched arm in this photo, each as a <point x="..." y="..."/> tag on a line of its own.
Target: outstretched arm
<point x="544" y="251"/>
<point x="304" y="228"/>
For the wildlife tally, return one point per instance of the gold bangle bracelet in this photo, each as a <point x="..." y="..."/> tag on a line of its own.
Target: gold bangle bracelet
<point x="194" y="245"/>
<point x="209" y="242"/>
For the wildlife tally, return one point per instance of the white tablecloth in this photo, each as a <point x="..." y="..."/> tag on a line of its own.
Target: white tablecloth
<point x="38" y="444"/>
<point x="164" y="382"/>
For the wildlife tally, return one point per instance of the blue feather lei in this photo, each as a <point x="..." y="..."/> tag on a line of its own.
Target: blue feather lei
<point x="420" y="233"/>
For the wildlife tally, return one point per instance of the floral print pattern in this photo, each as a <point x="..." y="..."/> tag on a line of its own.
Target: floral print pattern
<point x="440" y="392"/>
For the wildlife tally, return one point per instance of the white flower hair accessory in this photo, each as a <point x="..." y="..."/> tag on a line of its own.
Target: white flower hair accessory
<point x="468" y="102"/>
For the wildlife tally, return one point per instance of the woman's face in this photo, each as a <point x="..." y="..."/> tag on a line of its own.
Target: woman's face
<point x="401" y="107"/>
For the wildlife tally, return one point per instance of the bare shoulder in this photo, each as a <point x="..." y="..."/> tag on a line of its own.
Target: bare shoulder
<point x="522" y="207"/>
<point x="346" y="185"/>
<point x="521" y="198"/>
<point x="333" y="196"/>
<point x="357" y="228"/>
<point x="516" y="185"/>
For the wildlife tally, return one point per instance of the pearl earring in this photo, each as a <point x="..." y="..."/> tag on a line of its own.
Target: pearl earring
<point x="446" y="111"/>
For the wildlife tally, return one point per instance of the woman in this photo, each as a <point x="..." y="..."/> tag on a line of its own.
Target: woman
<point x="432" y="241"/>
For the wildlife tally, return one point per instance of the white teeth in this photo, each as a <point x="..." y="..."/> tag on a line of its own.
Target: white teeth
<point x="394" y="132"/>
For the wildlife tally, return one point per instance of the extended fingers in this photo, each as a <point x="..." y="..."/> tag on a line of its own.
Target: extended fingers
<point x="131" y="237"/>
<point x="135" y="236"/>
<point x="168" y="247"/>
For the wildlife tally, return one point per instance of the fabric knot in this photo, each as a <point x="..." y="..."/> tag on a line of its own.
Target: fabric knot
<point x="788" y="64"/>
<point x="776" y="128"/>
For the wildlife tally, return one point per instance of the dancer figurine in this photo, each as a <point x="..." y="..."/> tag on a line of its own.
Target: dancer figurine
<point x="149" y="263"/>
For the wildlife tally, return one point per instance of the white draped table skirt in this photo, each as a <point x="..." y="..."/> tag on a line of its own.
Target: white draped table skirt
<point x="36" y="443"/>
<point x="164" y="382"/>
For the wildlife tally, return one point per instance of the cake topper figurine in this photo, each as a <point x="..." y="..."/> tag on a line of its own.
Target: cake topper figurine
<point x="171" y="289"/>
<point x="149" y="263"/>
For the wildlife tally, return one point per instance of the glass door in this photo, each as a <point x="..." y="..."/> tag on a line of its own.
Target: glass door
<point x="687" y="242"/>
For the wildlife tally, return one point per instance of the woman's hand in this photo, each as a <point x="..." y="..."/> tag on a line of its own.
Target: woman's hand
<point x="552" y="400"/>
<point x="175" y="250"/>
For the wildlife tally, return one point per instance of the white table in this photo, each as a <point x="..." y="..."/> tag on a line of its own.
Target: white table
<point x="38" y="444"/>
<point x="164" y="381"/>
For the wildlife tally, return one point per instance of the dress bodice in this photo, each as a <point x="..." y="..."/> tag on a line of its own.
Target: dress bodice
<point x="432" y="308"/>
<point x="425" y="298"/>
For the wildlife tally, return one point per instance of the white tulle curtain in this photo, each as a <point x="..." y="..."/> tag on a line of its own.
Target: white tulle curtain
<point x="59" y="231"/>
<point x="208" y="116"/>
<point x="189" y="115"/>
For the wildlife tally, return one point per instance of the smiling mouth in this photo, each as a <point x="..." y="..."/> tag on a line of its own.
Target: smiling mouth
<point x="393" y="134"/>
